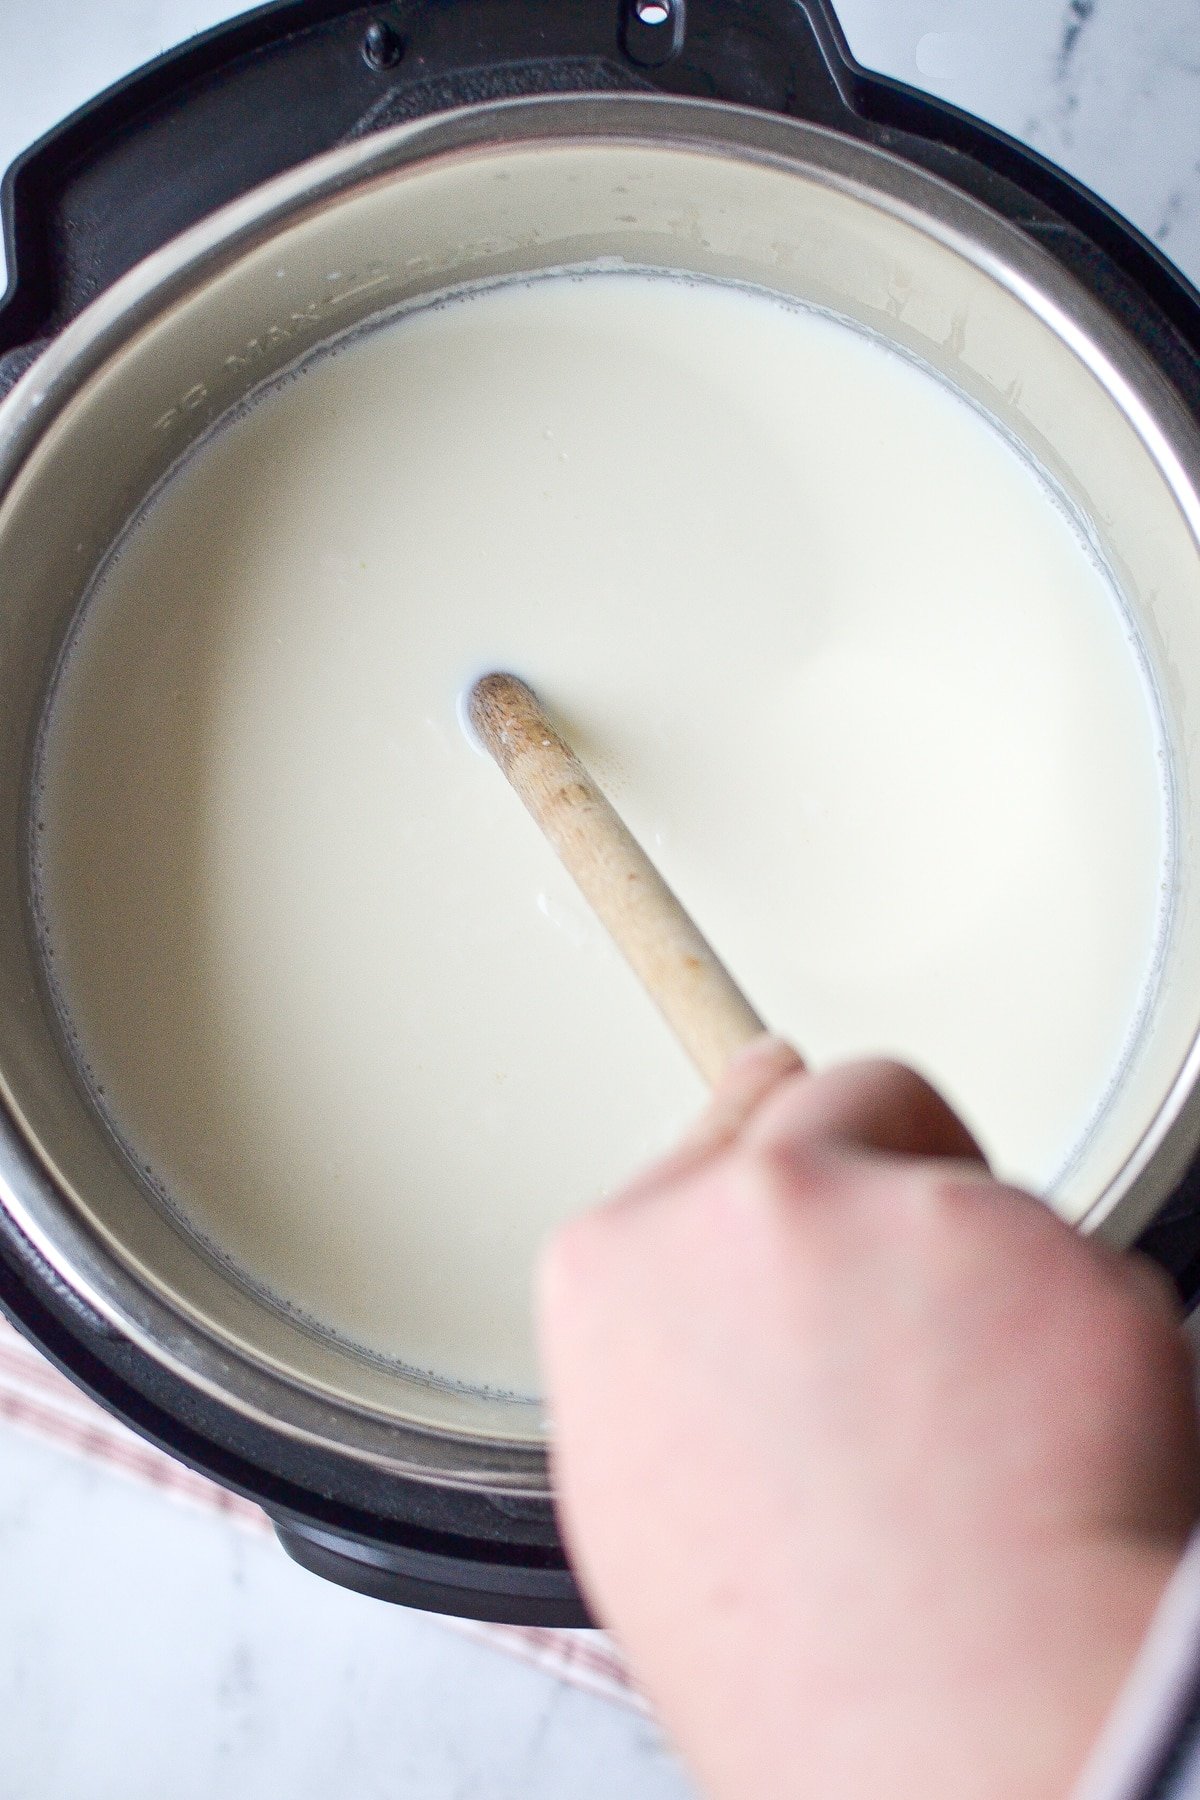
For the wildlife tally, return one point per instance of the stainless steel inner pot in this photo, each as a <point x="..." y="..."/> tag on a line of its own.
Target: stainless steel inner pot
<point x="477" y="196"/>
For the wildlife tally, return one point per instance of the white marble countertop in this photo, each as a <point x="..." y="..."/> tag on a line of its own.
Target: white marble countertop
<point x="149" y="1652"/>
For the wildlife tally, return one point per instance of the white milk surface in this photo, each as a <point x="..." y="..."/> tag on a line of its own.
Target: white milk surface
<point x="849" y="672"/>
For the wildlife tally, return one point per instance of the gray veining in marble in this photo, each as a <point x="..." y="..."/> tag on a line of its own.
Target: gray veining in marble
<point x="1110" y="89"/>
<point x="149" y="1651"/>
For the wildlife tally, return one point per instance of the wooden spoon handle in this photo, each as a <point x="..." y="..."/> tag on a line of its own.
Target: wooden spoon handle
<point x="676" y="964"/>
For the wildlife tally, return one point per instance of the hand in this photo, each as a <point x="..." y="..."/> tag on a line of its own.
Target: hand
<point x="877" y="1470"/>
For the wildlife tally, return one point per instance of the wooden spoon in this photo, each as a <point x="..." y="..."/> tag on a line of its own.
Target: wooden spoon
<point x="675" y="963"/>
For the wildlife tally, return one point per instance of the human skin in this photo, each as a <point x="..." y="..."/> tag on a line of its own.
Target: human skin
<point x="877" y="1470"/>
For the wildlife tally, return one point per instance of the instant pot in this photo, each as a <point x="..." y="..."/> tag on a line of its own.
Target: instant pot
<point x="273" y="185"/>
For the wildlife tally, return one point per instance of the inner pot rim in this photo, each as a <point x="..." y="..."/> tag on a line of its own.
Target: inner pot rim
<point x="95" y="1271"/>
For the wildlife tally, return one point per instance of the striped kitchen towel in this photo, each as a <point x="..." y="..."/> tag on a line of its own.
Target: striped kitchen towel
<point x="35" y="1398"/>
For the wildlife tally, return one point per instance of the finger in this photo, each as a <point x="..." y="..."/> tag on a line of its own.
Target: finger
<point x="754" y="1073"/>
<point x="876" y="1107"/>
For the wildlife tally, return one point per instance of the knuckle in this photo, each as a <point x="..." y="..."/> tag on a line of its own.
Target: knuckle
<point x="892" y="1076"/>
<point x="923" y="1207"/>
<point x="883" y="1105"/>
<point x="885" y="1080"/>
<point x="962" y="1221"/>
<point x="782" y="1171"/>
<point x="927" y="1118"/>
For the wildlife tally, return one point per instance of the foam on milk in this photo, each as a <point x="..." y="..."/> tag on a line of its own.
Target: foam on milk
<point x="846" y="664"/>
